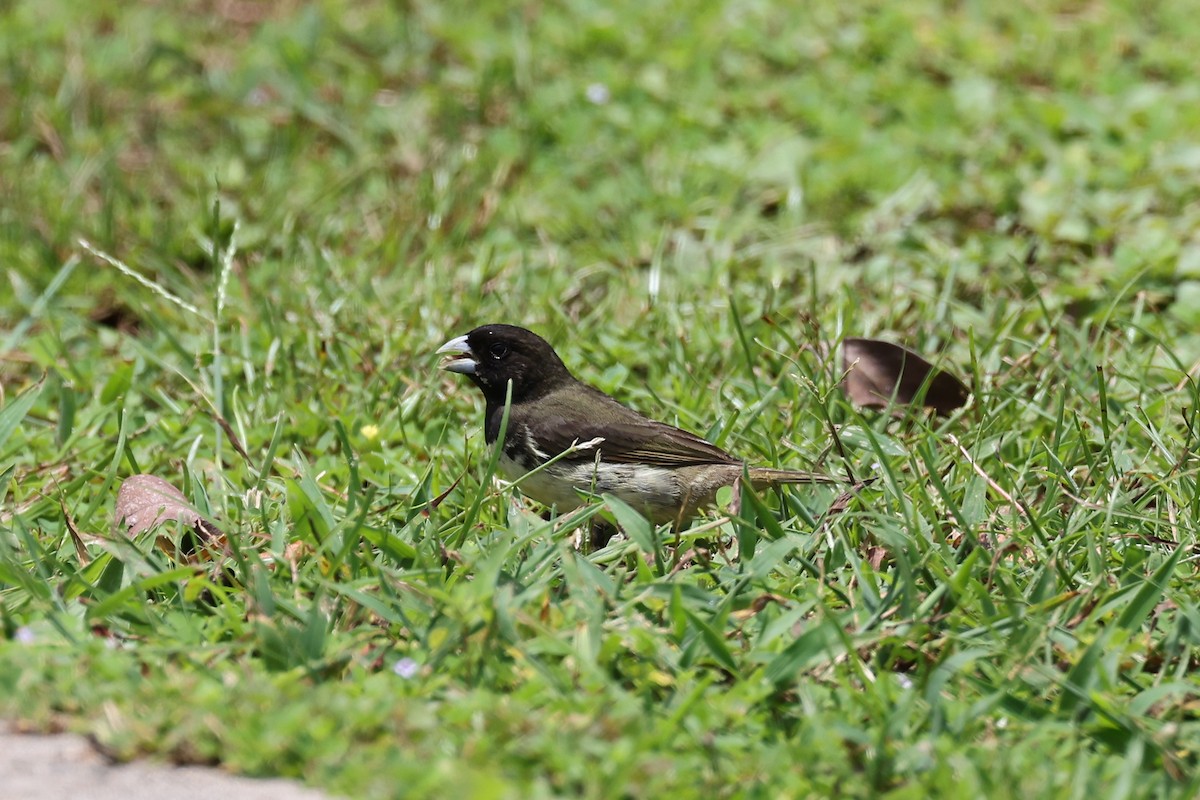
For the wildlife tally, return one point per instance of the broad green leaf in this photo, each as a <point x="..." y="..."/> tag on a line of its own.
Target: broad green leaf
<point x="1149" y="594"/>
<point x="15" y="410"/>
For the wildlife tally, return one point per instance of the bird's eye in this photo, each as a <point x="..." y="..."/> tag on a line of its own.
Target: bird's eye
<point x="498" y="350"/>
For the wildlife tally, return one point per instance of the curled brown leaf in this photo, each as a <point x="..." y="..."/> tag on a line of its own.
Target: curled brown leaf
<point x="880" y="374"/>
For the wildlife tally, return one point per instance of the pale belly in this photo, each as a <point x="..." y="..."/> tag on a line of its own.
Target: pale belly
<point x="653" y="491"/>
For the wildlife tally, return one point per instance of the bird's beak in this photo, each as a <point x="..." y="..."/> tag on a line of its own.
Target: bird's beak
<point x="465" y="363"/>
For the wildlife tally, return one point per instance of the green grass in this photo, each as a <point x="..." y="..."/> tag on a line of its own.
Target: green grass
<point x="336" y="189"/>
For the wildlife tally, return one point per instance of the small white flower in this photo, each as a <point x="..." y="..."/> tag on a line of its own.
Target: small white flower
<point x="406" y="668"/>
<point x="254" y="499"/>
<point x="25" y="635"/>
<point x="904" y="681"/>
<point x="597" y="94"/>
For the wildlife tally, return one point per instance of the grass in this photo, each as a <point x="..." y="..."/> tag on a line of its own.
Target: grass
<point x="683" y="198"/>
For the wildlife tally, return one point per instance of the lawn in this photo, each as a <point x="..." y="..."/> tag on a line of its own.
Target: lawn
<point x="232" y="235"/>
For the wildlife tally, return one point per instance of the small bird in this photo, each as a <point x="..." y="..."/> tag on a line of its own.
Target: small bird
<point x="664" y="472"/>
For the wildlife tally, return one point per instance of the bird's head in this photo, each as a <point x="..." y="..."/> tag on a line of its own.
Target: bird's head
<point x="493" y="355"/>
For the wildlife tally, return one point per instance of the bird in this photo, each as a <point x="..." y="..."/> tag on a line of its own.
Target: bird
<point x="602" y="446"/>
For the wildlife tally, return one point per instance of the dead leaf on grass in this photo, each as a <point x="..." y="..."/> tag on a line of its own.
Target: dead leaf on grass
<point x="881" y="374"/>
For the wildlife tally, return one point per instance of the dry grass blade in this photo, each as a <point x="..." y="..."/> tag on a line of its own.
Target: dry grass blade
<point x="880" y="374"/>
<point x="73" y="529"/>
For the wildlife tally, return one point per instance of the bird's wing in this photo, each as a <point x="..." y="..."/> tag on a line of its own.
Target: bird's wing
<point x="654" y="443"/>
<point x="628" y="437"/>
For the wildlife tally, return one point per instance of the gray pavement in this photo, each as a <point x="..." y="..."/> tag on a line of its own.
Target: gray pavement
<point x="37" y="767"/>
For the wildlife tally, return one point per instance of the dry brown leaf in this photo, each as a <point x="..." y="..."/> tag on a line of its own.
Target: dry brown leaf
<point x="147" y="501"/>
<point x="879" y="374"/>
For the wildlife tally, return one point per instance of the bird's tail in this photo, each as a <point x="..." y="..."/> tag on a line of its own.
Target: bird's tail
<point x="763" y="477"/>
